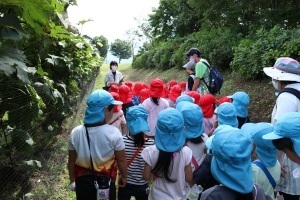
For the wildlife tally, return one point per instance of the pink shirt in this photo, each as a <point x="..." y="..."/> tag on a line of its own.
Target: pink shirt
<point x="153" y="111"/>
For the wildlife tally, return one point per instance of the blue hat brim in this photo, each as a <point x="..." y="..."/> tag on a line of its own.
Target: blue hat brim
<point x="272" y="136"/>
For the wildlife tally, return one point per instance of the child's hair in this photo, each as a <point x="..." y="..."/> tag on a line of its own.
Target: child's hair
<point x="164" y="166"/>
<point x="283" y="143"/>
<point x="139" y="140"/>
<point x="154" y="100"/>
<point x="196" y="140"/>
<point x="248" y="196"/>
<point x="110" y="107"/>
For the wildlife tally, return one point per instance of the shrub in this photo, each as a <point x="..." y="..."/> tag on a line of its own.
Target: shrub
<point x="262" y="49"/>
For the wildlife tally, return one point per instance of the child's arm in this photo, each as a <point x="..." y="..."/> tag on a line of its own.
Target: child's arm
<point x="147" y="172"/>
<point x="189" y="174"/>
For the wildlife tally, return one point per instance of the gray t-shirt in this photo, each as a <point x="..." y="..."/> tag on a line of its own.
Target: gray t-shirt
<point x="223" y="193"/>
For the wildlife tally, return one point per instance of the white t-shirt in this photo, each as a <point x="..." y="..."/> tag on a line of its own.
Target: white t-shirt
<point x="104" y="140"/>
<point x="261" y="178"/>
<point x="198" y="150"/>
<point x="285" y="103"/>
<point x="153" y="111"/>
<point x="118" y="120"/>
<point x="165" y="190"/>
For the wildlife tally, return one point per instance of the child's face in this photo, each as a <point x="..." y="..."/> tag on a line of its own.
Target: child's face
<point x="188" y="71"/>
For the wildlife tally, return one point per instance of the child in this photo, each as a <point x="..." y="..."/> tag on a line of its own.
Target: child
<point x="195" y="95"/>
<point x="135" y="142"/>
<point x="266" y="157"/>
<point x="169" y="160"/>
<point x="137" y="87"/>
<point x="194" y="131"/>
<point x="126" y="97"/>
<point x="231" y="166"/>
<point x="207" y="103"/>
<point x="241" y="102"/>
<point x="190" y="69"/>
<point x="144" y="94"/>
<point x="174" y="93"/>
<point x="155" y="103"/>
<point x="118" y="119"/>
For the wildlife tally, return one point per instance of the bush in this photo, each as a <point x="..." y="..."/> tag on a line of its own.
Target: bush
<point x="262" y="49"/>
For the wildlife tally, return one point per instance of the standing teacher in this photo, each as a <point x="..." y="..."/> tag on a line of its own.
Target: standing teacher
<point x="113" y="77"/>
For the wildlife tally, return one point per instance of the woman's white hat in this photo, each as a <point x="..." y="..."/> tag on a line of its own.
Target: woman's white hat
<point x="284" y="69"/>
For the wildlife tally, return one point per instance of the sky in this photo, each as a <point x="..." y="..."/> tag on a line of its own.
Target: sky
<point x="111" y="18"/>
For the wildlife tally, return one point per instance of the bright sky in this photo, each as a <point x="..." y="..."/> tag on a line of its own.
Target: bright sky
<point x="111" y="18"/>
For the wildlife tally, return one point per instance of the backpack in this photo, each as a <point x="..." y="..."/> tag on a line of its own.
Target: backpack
<point x="293" y="91"/>
<point x="215" y="79"/>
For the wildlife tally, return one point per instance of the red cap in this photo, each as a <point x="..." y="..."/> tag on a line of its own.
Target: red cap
<point x="157" y="88"/>
<point x="116" y="97"/>
<point x="144" y="94"/>
<point x="195" y="95"/>
<point x="129" y="84"/>
<point x="224" y="99"/>
<point x="114" y="88"/>
<point x="182" y="85"/>
<point x="207" y="102"/>
<point x="175" y="92"/>
<point x="172" y="83"/>
<point x="125" y="94"/>
<point x="137" y="87"/>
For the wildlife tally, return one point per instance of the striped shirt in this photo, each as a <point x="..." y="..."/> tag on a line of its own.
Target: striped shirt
<point x="136" y="168"/>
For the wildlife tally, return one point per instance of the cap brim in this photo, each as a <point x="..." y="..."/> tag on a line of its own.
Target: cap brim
<point x="281" y="75"/>
<point x="271" y="136"/>
<point x="117" y="102"/>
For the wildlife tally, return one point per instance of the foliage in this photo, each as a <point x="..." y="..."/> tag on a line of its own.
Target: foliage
<point x="101" y="44"/>
<point x="179" y="18"/>
<point x="216" y="46"/>
<point x="43" y="69"/>
<point x="262" y="49"/>
<point x="121" y="49"/>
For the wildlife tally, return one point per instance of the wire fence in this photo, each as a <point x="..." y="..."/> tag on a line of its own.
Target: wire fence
<point x="27" y="150"/>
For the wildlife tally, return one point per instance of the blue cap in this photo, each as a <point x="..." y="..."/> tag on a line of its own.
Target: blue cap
<point x="193" y="117"/>
<point x="266" y="151"/>
<point x="136" y="117"/>
<point x="231" y="163"/>
<point x="169" y="134"/>
<point x="219" y="129"/>
<point x="184" y="97"/>
<point x="241" y="102"/>
<point x="227" y="114"/>
<point x="288" y="125"/>
<point x="96" y="103"/>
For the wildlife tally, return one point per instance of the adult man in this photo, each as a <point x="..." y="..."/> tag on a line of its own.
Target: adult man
<point x="95" y="147"/>
<point x="285" y="74"/>
<point x="202" y="71"/>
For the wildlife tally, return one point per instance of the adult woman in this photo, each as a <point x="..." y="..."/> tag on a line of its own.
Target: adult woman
<point x="113" y="77"/>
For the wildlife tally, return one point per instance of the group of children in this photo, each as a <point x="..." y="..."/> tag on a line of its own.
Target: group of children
<point x="186" y="139"/>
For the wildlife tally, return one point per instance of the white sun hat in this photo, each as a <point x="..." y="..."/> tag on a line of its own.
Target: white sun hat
<point x="284" y="69"/>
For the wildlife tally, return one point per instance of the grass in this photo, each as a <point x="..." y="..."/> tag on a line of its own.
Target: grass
<point x="52" y="181"/>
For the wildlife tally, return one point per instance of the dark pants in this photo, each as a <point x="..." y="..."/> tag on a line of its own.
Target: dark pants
<point x="85" y="189"/>
<point x="289" y="196"/>
<point x="140" y="192"/>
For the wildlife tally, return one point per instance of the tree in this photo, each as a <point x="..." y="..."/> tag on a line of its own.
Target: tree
<point x="101" y="44"/>
<point x="121" y="49"/>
